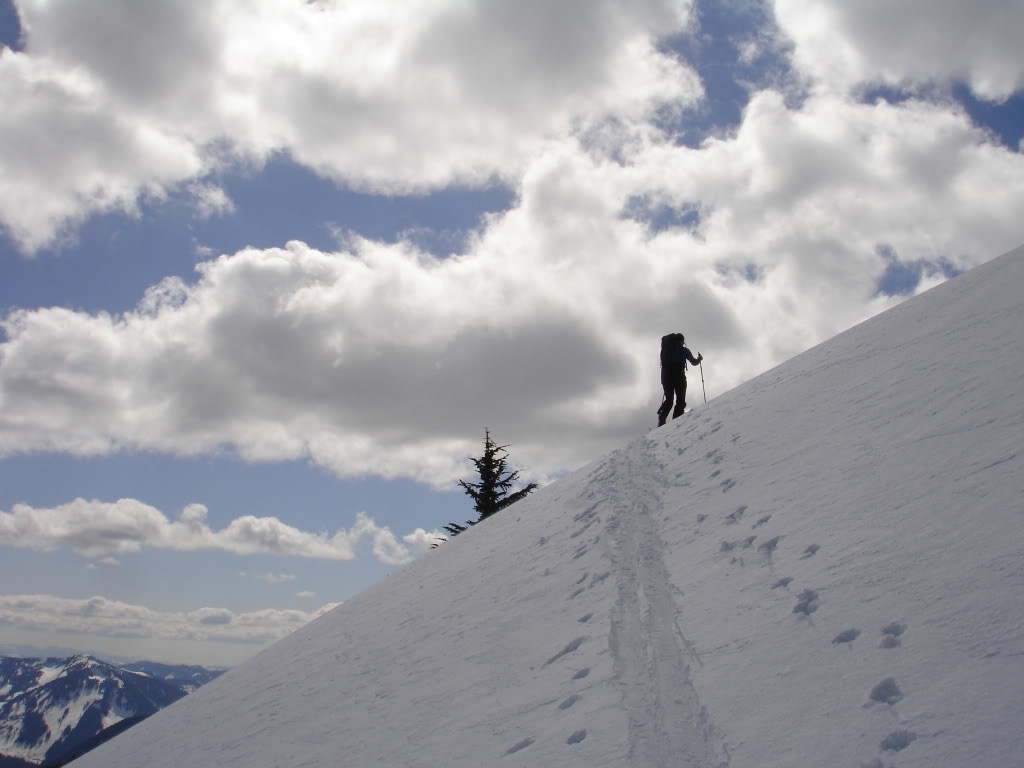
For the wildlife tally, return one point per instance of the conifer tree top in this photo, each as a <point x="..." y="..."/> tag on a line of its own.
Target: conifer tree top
<point x="492" y="493"/>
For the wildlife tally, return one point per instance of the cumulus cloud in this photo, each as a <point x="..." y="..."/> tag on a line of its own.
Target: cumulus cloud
<point x="95" y="528"/>
<point x="843" y="45"/>
<point x="378" y="358"/>
<point x="381" y="359"/>
<point x="66" y="154"/>
<point x="211" y="200"/>
<point x="103" y="617"/>
<point x="108" y="104"/>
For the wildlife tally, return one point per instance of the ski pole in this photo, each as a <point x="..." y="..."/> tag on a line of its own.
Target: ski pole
<point x="702" y="381"/>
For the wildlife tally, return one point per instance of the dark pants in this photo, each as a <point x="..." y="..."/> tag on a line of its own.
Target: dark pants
<point x="674" y="384"/>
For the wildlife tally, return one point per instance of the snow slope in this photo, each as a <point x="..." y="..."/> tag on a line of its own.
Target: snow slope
<point x="823" y="567"/>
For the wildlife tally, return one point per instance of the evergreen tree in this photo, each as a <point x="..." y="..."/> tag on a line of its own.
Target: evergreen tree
<point x="492" y="493"/>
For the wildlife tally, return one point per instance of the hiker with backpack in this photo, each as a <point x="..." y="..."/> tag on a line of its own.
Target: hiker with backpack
<point x="674" y="356"/>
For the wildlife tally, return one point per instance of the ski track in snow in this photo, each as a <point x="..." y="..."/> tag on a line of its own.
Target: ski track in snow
<point x="667" y="724"/>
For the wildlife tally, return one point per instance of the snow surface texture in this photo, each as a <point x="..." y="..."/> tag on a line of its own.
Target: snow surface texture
<point x="823" y="567"/>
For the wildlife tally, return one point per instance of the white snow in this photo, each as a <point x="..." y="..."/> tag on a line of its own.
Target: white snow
<point x="823" y="567"/>
<point x="49" y="673"/>
<point x="117" y="712"/>
<point x="62" y="716"/>
<point x="9" y="733"/>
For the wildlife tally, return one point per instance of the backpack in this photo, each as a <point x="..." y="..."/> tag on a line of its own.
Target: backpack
<point x="672" y="349"/>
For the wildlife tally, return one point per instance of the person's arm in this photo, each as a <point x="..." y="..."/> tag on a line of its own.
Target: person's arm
<point x="688" y="355"/>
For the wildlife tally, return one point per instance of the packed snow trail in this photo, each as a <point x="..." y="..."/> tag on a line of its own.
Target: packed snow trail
<point x="667" y="724"/>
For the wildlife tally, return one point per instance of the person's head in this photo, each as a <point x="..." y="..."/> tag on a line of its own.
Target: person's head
<point x="682" y="339"/>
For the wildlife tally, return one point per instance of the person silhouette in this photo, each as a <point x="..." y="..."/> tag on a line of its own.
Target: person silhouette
<point x="674" y="356"/>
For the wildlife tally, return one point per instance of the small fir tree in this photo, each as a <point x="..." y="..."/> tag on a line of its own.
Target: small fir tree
<point x="493" y="493"/>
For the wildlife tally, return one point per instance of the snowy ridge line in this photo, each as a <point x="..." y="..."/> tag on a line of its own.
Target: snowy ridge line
<point x="668" y="726"/>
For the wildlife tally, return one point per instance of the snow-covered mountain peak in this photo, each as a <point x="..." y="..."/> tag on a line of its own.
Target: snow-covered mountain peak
<point x="48" y="706"/>
<point x="822" y="567"/>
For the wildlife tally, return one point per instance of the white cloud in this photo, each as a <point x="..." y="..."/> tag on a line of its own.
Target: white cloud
<point x="111" y="618"/>
<point x="108" y="104"/>
<point x="66" y="154"/>
<point x="270" y="578"/>
<point x="305" y="593"/>
<point x="844" y="44"/>
<point x="104" y="561"/>
<point x="380" y="359"/>
<point x="421" y="541"/>
<point x="95" y="528"/>
<point x="211" y="200"/>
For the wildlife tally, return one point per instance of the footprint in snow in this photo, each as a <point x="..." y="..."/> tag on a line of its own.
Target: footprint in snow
<point x="886" y="692"/>
<point x="734" y="517"/>
<point x="846" y="636"/>
<point x="581" y="531"/>
<point x="585" y="618"/>
<point x="897" y="740"/>
<point x="782" y="583"/>
<point x="810" y="551"/>
<point x="761" y="521"/>
<point x="728" y="485"/>
<point x="569" y="648"/>
<point x="891" y="635"/>
<point x="806" y="602"/>
<point x="585" y="514"/>
<point x="576" y="737"/>
<point x="518" y="746"/>
<point x="716" y="473"/>
<point x="569" y="701"/>
<point x="581" y="674"/>
<point x="769" y="546"/>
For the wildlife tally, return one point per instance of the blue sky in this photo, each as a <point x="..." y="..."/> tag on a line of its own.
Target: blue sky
<point x="295" y="288"/>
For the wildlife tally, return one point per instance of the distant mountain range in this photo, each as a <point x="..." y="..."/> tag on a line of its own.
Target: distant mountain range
<point x="186" y="677"/>
<point x="55" y="709"/>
